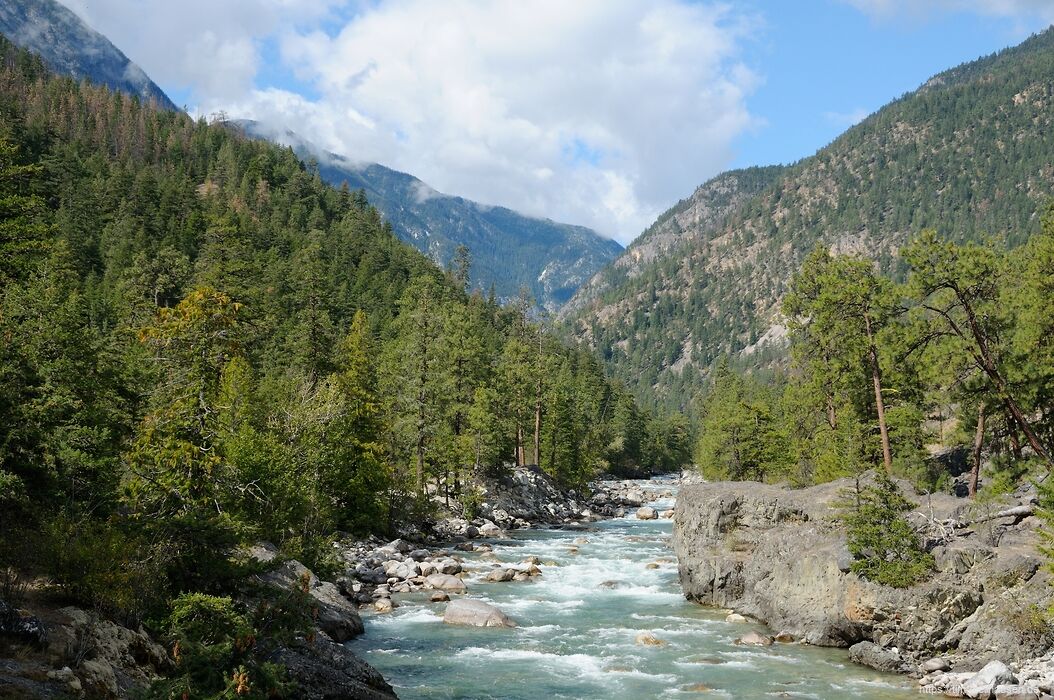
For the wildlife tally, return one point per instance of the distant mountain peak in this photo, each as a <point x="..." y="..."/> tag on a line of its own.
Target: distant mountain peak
<point x="509" y="250"/>
<point x="70" y="47"/>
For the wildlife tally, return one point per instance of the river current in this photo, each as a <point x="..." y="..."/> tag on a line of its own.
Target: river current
<point x="578" y="627"/>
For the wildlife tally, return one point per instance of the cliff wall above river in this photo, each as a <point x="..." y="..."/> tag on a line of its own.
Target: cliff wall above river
<point x="780" y="556"/>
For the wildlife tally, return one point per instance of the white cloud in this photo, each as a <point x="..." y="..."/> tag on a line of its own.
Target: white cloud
<point x="844" y="120"/>
<point x="209" y="46"/>
<point x="597" y="112"/>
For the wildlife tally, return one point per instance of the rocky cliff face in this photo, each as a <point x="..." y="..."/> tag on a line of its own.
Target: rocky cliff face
<point x="779" y="555"/>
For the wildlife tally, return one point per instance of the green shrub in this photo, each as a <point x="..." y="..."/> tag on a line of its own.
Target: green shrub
<point x="104" y="566"/>
<point x="221" y="647"/>
<point x="885" y="548"/>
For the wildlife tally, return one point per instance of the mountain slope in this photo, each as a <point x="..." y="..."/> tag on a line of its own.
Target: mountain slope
<point x="971" y="152"/>
<point x="509" y="250"/>
<point x="70" y="47"/>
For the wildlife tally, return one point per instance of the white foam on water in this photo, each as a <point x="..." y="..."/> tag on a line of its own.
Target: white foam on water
<point x="413" y="615"/>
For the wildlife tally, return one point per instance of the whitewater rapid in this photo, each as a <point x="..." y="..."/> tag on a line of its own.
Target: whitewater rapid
<point x="578" y="625"/>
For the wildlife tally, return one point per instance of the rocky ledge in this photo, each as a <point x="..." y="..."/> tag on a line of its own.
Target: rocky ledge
<point x="779" y="556"/>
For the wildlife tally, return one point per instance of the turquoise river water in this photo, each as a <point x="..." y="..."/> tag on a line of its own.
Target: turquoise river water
<point x="577" y="638"/>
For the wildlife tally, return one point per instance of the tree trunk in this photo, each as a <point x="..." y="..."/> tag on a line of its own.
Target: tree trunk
<point x="978" y="444"/>
<point x="989" y="366"/>
<point x="538" y="431"/>
<point x="519" y="446"/>
<point x="876" y="378"/>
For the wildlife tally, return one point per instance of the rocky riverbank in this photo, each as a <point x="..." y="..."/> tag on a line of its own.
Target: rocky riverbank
<point x="71" y="652"/>
<point x="779" y="556"/>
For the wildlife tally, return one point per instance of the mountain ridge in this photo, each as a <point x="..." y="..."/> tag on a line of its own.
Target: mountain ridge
<point x="969" y="152"/>
<point x="70" y="47"/>
<point x="509" y="249"/>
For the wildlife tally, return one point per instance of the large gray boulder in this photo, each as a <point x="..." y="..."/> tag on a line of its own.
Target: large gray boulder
<point x="446" y="582"/>
<point x="984" y="682"/>
<point x="337" y="616"/>
<point x="475" y="613"/>
<point x="323" y="670"/>
<point x="647" y="513"/>
<point x="874" y="656"/>
<point x="779" y="556"/>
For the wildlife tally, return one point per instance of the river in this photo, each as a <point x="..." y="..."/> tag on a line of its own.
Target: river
<point x="578" y="624"/>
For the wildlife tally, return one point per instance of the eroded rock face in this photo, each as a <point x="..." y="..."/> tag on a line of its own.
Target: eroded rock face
<point x="779" y="556"/>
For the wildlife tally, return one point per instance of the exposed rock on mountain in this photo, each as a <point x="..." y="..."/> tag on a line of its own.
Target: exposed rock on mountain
<point x="70" y="47"/>
<point x="969" y="153"/>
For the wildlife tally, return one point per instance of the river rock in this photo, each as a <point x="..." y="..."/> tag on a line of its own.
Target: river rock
<point x="475" y="613"/>
<point x="427" y="568"/>
<point x="755" y="639"/>
<point x="401" y="570"/>
<point x="521" y="576"/>
<point x="383" y="605"/>
<point x="735" y="617"/>
<point x="784" y="637"/>
<point x="400" y="546"/>
<point x="449" y="566"/>
<point x="649" y="639"/>
<point x="872" y="655"/>
<point x="501" y="575"/>
<point x="419" y="554"/>
<point x="446" y="582"/>
<point x="935" y="664"/>
<point x="323" y="670"/>
<point x="439" y="597"/>
<point x="983" y="683"/>
<point x="646" y="513"/>
<point x="489" y="529"/>
<point x="667" y="514"/>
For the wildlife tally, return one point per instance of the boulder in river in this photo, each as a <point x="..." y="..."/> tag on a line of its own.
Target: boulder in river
<point x="439" y="597"/>
<point x="755" y="639"/>
<point x="475" y="613"/>
<point x="735" y="617"/>
<point x="874" y="656"/>
<point x="446" y="582"/>
<point x="501" y="575"/>
<point x="646" y="513"/>
<point x="649" y="640"/>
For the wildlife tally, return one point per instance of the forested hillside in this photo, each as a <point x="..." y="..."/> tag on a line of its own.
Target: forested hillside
<point x="510" y="251"/>
<point x="204" y="344"/>
<point x="969" y="154"/>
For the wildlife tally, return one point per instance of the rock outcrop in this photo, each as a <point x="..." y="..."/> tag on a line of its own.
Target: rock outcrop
<point x="779" y="556"/>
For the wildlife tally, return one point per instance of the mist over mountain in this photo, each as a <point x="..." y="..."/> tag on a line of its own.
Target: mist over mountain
<point x="70" y="47"/>
<point x="510" y="251"/>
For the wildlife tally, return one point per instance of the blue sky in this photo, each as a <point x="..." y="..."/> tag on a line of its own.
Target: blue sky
<point x="825" y="64"/>
<point x="595" y="112"/>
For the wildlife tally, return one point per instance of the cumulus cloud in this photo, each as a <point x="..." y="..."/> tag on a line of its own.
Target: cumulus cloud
<point x="211" y="47"/>
<point x="845" y="120"/>
<point x="597" y="112"/>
